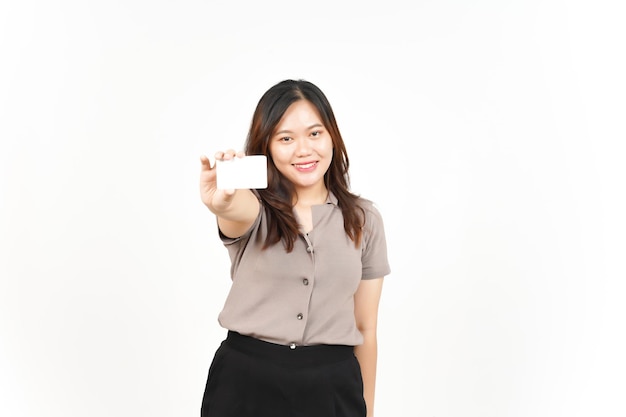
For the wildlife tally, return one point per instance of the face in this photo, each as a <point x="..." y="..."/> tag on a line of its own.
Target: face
<point x="302" y="148"/>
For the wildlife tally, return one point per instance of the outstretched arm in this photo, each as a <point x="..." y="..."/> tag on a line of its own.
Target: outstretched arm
<point x="236" y="210"/>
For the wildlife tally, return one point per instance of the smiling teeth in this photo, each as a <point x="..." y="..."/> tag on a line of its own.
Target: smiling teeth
<point x="305" y="165"/>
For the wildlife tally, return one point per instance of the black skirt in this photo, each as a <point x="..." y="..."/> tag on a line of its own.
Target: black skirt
<point x="253" y="378"/>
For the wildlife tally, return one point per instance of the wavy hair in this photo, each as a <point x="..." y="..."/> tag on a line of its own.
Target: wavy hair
<point x="277" y="198"/>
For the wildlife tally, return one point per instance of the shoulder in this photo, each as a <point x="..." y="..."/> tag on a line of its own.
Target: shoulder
<point x="372" y="214"/>
<point x="374" y="243"/>
<point x="368" y="206"/>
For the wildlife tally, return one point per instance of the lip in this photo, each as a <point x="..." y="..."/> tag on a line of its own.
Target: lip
<point x="305" y="166"/>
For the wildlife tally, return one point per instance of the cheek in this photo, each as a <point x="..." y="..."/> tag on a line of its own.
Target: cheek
<point x="274" y="154"/>
<point x="280" y="160"/>
<point x="278" y="156"/>
<point x="328" y="147"/>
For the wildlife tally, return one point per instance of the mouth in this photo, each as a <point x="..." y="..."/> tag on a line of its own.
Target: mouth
<point x="305" y="166"/>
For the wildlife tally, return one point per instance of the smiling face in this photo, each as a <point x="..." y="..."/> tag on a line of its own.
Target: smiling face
<point x="302" y="148"/>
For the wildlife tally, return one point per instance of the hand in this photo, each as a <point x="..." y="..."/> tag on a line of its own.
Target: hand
<point x="216" y="200"/>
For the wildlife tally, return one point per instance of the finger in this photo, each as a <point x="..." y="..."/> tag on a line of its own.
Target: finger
<point x="206" y="164"/>
<point x="240" y="154"/>
<point x="226" y="155"/>
<point x="230" y="154"/>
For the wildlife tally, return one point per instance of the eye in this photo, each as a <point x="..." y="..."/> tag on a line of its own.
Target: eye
<point x="285" y="139"/>
<point x="316" y="133"/>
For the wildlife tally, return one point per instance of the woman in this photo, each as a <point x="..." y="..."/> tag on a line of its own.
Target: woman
<point x="308" y="261"/>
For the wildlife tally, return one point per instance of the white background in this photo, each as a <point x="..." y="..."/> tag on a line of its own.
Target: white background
<point x="490" y="134"/>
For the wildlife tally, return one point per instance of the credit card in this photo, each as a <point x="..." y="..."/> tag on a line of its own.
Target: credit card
<point x="242" y="173"/>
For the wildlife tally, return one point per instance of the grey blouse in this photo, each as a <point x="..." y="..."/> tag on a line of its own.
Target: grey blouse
<point x="305" y="297"/>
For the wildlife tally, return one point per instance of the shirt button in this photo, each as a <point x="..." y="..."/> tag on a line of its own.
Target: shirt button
<point x="299" y="316"/>
<point x="309" y="249"/>
<point x="305" y="281"/>
<point x="292" y="346"/>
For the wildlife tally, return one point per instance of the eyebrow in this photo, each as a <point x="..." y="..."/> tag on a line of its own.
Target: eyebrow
<point x="280" y="132"/>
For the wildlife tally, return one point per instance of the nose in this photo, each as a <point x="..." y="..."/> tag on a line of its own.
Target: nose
<point x="304" y="147"/>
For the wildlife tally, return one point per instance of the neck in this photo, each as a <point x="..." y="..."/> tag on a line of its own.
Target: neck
<point x="311" y="197"/>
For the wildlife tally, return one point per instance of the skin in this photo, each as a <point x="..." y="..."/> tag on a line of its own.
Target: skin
<point x="302" y="150"/>
<point x="366" y="302"/>
<point x="235" y="210"/>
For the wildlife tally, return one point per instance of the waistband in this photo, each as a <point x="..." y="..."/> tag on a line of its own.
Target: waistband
<point x="302" y="356"/>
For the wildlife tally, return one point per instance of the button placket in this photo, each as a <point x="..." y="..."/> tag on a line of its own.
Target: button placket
<point x="309" y="244"/>
<point x="306" y="281"/>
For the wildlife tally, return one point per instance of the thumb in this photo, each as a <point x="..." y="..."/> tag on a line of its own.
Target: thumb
<point x="228" y="195"/>
<point x="205" y="163"/>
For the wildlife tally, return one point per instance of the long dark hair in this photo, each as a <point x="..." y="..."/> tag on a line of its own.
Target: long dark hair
<point x="278" y="196"/>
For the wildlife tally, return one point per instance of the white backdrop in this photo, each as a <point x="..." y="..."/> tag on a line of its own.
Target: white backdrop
<point x="490" y="134"/>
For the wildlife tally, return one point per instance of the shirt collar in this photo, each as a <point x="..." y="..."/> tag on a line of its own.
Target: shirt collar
<point x="331" y="199"/>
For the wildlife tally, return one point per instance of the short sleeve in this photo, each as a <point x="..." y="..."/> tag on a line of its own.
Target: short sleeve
<point x="374" y="247"/>
<point x="228" y="241"/>
<point x="236" y="246"/>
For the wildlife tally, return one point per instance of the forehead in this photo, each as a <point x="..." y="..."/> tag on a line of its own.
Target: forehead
<point x="301" y="112"/>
